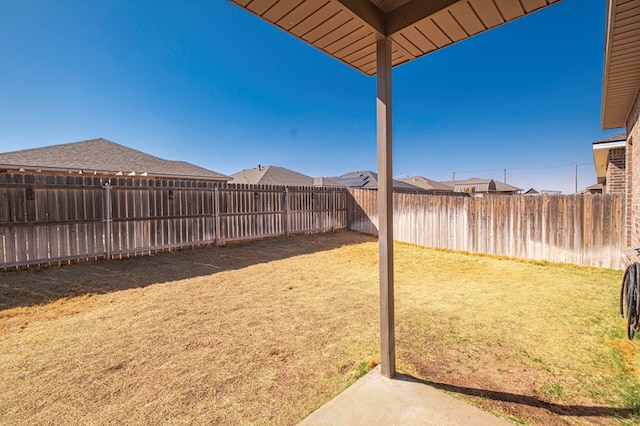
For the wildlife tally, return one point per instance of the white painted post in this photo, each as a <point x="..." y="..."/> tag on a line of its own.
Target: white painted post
<point x="385" y="209"/>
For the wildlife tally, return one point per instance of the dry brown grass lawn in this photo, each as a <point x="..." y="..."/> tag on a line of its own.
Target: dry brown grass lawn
<point x="265" y="332"/>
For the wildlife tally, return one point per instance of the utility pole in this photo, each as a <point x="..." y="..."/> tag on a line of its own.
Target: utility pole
<point x="575" y="179"/>
<point x="505" y="176"/>
<point x="453" y="176"/>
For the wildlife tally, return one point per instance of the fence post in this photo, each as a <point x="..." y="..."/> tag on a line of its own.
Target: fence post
<point x="216" y="215"/>
<point x="286" y="211"/>
<point x="333" y="209"/>
<point x="107" y="220"/>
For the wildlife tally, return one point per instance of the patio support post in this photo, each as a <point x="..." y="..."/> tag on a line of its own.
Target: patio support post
<point x="385" y="209"/>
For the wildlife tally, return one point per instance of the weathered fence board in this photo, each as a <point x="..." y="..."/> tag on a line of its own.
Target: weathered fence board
<point x="580" y="229"/>
<point x="46" y="219"/>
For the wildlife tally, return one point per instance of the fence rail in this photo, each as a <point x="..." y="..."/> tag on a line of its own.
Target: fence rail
<point x="580" y="229"/>
<point x="46" y="219"/>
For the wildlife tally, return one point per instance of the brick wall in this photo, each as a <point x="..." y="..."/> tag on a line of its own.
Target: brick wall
<point x="633" y="176"/>
<point x="629" y="192"/>
<point x="616" y="177"/>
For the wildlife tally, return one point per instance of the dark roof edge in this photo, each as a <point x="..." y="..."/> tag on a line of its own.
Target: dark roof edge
<point x="618" y="137"/>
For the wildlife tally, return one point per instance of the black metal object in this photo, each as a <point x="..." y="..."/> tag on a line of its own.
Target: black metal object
<point x="630" y="297"/>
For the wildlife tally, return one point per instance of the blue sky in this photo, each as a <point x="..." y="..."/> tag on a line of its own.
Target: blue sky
<point x="205" y="82"/>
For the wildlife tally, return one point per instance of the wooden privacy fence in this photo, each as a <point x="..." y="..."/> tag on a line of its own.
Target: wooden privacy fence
<point x="55" y="218"/>
<point x="580" y="229"/>
<point x="46" y="219"/>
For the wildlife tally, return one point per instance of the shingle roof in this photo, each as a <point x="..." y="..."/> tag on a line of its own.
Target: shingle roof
<point x="618" y="137"/>
<point x="272" y="175"/>
<point x="364" y="179"/>
<point x="323" y="181"/>
<point x="101" y="156"/>
<point x="479" y="184"/>
<point x="427" y="184"/>
<point x="369" y="180"/>
<point x="504" y="187"/>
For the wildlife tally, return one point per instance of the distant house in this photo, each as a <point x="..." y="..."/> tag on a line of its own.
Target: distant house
<point x="431" y="186"/>
<point x="482" y="186"/>
<point x="369" y="180"/>
<point x="506" y="189"/>
<point x="533" y="191"/>
<point x="103" y="158"/>
<point x="610" y="162"/>
<point x="272" y="175"/>
<point x="593" y="189"/>
<point x="477" y="186"/>
<point x="323" y="181"/>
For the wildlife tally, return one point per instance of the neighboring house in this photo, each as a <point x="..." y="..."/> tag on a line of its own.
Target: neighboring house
<point x="100" y="157"/>
<point x="369" y="180"/>
<point x="533" y="191"/>
<point x="476" y="186"/>
<point x="609" y="160"/>
<point x="482" y="186"/>
<point x="506" y="189"/>
<point x="431" y="186"/>
<point x="593" y="189"/>
<point x="272" y="175"/>
<point x="323" y="181"/>
<point x="280" y="176"/>
<point x="621" y="102"/>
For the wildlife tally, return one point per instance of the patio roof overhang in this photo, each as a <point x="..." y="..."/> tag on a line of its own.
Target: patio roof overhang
<point x="601" y="157"/>
<point x="349" y="29"/>
<point x="373" y="36"/>
<point x="621" y="82"/>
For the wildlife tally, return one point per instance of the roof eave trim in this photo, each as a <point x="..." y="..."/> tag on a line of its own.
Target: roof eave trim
<point x="610" y="120"/>
<point x="611" y="6"/>
<point x="609" y="145"/>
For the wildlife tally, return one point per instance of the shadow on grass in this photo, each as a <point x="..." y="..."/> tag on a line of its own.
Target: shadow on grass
<point x="512" y="398"/>
<point x="36" y="286"/>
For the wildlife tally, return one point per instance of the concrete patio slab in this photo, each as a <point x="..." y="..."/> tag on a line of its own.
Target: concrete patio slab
<point x="376" y="400"/>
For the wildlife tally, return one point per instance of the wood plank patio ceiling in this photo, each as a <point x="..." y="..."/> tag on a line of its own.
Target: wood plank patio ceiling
<point x="348" y="29"/>
<point x="621" y="82"/>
